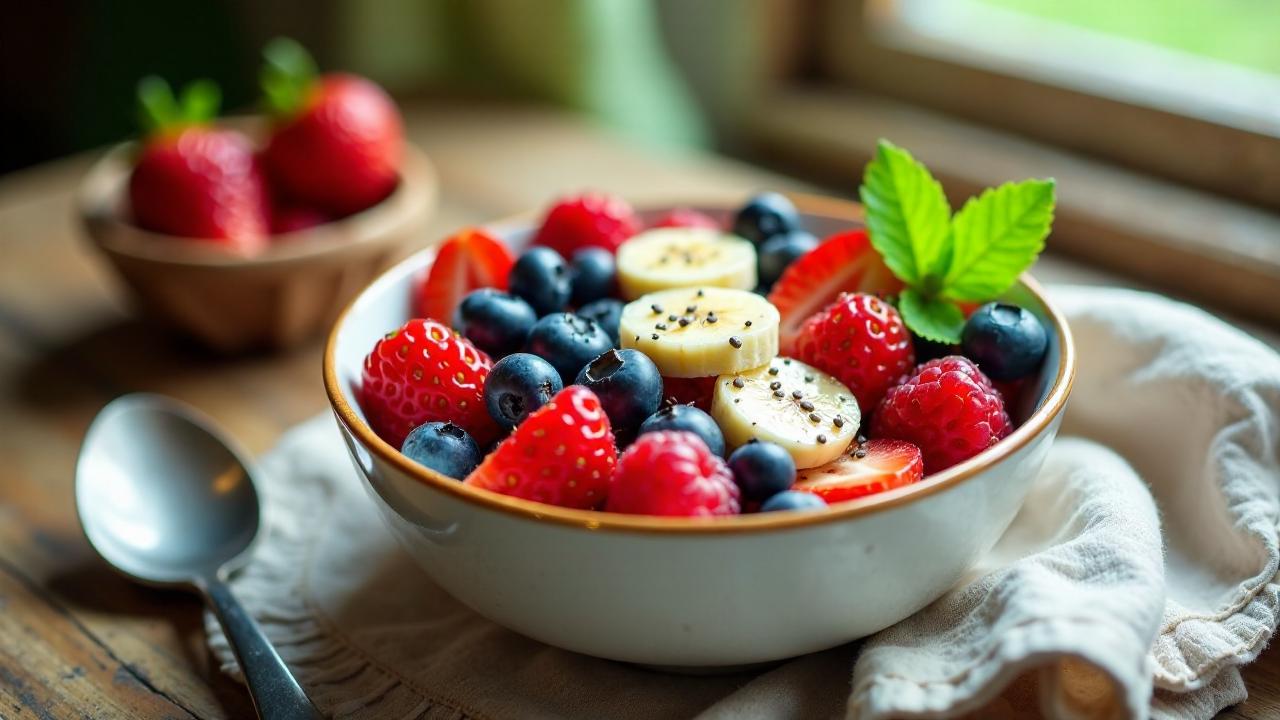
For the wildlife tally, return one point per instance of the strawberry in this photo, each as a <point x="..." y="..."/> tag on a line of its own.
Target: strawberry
<point x="687" y="218"/>
<point x="337" y="140"/>
<point x="469" y="260"/>
<point x="562" y="454"/>
<point x="194" y="180"/>
<point x="287" y="218"/>
<point x="588" y="220"/>
<point x="948" y="408"/>
<point x="861" y="341"/>
<point x="425" y="372"/>
<point x="844" y="262"/>
<point x="868" y="468"/>
<point x="689" y="391"/>
<point x="673" y="473"/>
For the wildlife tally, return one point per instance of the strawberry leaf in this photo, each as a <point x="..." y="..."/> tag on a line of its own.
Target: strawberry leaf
<point x="907" y="214"/>
<point x="931" y="317"/>
<point x="995" y="237"/>
<point x="287" y="73"/>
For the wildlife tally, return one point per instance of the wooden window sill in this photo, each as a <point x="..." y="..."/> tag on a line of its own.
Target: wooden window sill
<point x="1218" y="251"/>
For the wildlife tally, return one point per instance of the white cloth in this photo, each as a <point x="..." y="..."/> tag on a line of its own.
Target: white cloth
<point x="1139" y="576"/>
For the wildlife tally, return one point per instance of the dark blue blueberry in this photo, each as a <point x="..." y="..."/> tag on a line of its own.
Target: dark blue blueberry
<point x="764" y="216"/>
<point x="762" y="470"/>
<point x="606" y="313"/>
<point x="927" y="349"/>
<point x="1006" y="341"/>
<point x="542" y="278"/>
<point x="496" y="322"/>
<point x="689" y="419"/>
<point x="443" y="447"/>
<point x="793" y="500"/>
<point x="780" y="251"/>
<point x="517" y="385"/>
<point x="628" y="384"/>
<point x="568" y="342"/>
<point x="593" y="271"/>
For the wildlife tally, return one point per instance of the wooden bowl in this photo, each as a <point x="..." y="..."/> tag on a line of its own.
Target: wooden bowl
<point x="287" y="294"/>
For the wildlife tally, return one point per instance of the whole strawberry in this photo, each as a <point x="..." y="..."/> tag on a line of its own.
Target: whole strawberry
<point x="948" y="409"/>
<point x="673" y="473"/>
<point x="192" y="179"/>
<point x="587" y="220"/>
<point x="859" y="339"/>
<point x="562" y="454"/>
<point x="337" y="140"/>
<point x="425" y="372"/>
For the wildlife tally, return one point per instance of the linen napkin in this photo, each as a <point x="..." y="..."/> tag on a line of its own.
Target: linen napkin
<point x="1139" y="576"/>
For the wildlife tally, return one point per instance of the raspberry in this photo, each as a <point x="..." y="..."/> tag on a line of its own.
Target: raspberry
<point x="672" y="473"/>
<point x="588" y="220"/>
<point x="861" y="341"/>
<point x="562" y="454"/>
<point x="425" y="372"/>
<point x="948" y="408"/>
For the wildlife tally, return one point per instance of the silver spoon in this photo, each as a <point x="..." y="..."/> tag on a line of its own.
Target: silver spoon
<point x="166" y="500"/>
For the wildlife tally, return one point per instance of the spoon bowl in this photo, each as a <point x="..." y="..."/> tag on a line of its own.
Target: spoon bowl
<point x="168" y="500"/>
<point x="162" y="495"/>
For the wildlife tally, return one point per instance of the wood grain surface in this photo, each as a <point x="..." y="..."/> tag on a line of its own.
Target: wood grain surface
<point x="76" y="641"/>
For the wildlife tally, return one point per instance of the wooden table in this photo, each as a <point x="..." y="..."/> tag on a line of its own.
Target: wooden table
<point x="78" y="641"/>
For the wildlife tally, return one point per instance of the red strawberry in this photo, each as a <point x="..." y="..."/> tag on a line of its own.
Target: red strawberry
<point x="870" y="467"/>
<point x="690" y="391"/>
<point x="844" y="262"/>
<point x="672" y="473"/>
<point x="469" y="260"/>
<point x="948" y="408"/>
<point x="194" y="180"/>
<point x="425" y="372"/>
<point x="338" y="140"/>
<point x="588" y="220"/>
<point x="861" y="340"/>
<point x="563" y="454"/>
<point x="687" y="218"/>
<point x="287" y="218"/>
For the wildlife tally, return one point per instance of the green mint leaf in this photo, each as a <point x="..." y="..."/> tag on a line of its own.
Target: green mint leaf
<point x="907" y="214"/>
<point x="930" y="317"/>
<point x="995" y="237"/>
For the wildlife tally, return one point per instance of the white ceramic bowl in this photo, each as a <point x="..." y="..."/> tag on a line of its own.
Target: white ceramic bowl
<point x="694" y="593"/>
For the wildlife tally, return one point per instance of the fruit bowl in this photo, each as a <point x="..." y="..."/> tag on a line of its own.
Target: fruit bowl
<point x="272" y="300"/>
<point x="695" y="592"/>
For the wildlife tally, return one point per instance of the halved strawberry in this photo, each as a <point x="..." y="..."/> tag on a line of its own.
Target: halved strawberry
<point x="469" y="260"/>
<point x="844" y="262"/>
<point x="868" y="468"/>
<point x="562" y="454"/>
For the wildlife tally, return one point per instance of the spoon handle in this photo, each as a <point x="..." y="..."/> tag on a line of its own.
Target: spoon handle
<point x="276" y="694"/>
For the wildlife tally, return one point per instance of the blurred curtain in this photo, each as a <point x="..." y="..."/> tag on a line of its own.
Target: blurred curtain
<point x="605" y="58"/>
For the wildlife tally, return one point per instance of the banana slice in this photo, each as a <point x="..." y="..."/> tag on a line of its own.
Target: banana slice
<point x="696" y="332"/>
<point x="684" y="257"/>
<point x="801" y="408"/>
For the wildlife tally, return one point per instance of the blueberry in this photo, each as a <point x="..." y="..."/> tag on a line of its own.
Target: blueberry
<point x="443" y="447"/>
<point x="793" y="500"/>
<point x="496" y="322"/>
<point x="542" y="278"/>
<point x="568" y="342"/>
<point x="607" y="313"/>
<point x="762" y="470"/>
<point x="689" y="419"/>
<point x="764" y="216"/>
<point x="593" y="270"/>
<point x="780" y="251"/>
<point x="1006" y="341"/>
<point x="628" y="384"/>
<point x="517" y="385"/>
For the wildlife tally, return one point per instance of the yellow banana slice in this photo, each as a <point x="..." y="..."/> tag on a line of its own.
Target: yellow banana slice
<point x="696" y="332"/>
<point x="667" y="258"/>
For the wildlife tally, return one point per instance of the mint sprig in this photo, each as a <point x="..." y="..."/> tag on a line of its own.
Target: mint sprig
<point x="973" y="257"/>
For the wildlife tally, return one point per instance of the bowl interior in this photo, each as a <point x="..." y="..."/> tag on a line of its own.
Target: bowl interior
<point x="385" y="305"/>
